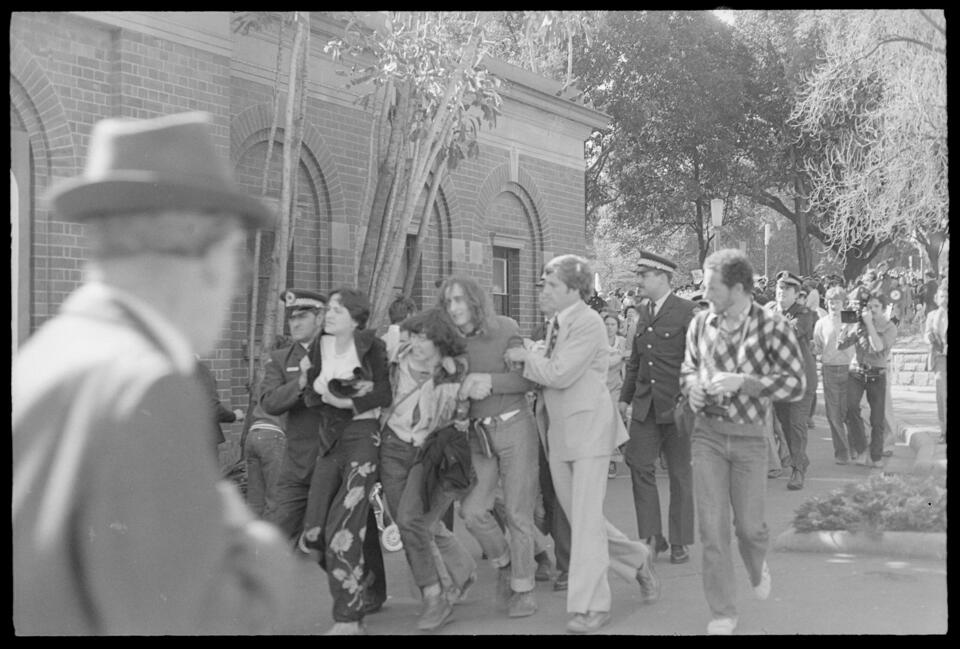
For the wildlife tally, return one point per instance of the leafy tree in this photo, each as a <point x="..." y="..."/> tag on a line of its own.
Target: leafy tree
<point x="677" y="87"/>
<point x="877" y="98"/>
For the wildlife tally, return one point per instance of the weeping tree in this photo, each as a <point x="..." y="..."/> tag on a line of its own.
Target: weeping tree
<point x="877" y="100"/>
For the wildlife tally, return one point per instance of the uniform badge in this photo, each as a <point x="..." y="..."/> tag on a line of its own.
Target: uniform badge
<point x="289" y="298"/>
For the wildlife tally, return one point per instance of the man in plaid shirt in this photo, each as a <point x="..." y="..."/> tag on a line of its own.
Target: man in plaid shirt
<point x="739" y="358"/>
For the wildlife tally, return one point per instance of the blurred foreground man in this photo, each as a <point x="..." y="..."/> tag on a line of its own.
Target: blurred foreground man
<point x="121" y="524"/>
<point x="739" y="357"/>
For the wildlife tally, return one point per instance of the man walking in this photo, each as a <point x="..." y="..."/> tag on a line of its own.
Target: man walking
<point x="739" y="357"/>
<point x="499" y="412"/>
<point x="121" y="523"/>
<point x="793" y="416"/>
<point x="584" y="429"/>
<point x="835" y="367"/>
<point x="652" y="383"/>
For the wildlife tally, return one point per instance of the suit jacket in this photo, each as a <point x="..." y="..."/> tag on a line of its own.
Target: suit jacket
<point x="281" y="396"/>
<point x="119" y="515"/>
<point x="582" y="416"/>
<point x="652" y="375"/>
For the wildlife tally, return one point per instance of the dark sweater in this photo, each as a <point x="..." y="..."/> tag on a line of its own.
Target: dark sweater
<point x="485" y="352"/>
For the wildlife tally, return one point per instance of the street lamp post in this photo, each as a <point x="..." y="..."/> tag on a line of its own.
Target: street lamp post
<point x="716" y="212"/>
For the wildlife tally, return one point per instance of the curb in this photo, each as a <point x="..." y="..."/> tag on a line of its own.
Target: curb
<point x="923" y="545"/>
<point x="924" y="446"/>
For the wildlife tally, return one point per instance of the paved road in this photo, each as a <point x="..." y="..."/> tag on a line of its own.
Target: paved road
<point x="813" y="593"/>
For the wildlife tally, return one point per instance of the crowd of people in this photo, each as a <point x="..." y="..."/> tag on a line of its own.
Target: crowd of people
<point x="363" y="440"/>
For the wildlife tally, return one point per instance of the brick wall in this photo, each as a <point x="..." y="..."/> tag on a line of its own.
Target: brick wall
<point x="68" y="72"/>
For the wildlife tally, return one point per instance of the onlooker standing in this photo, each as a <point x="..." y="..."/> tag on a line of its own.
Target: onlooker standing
<point x="739" y="358"/>
<point x="618" y="354"/>
<point x="835" y="368"/>
<point x="930" y="293"/>
<point x="583" y="431"/>
<point x="936" y="333"/>
<point x="501" y="416"/>
<point x="793" y="416"/>
<point x="220" y="413"/>
<point x="651" y="385"/>
<point x="872" y="338"/>
<point x="121" y="523"/>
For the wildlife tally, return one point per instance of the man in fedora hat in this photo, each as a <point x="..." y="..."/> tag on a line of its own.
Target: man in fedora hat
<point x="121" y="523"/>
<point x="793" y="415"/>
<point x="652" y="385"/>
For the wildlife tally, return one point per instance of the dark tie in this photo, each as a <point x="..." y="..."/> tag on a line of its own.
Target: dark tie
<point x="554" y="330"/>
<point x="651" y="309"/>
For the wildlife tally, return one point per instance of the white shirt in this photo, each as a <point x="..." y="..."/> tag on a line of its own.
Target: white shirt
<point x="659" y="303"/>
<point x="338" y="366"/>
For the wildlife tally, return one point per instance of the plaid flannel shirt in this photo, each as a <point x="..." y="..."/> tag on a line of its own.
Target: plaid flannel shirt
<point x="766" y="351"/>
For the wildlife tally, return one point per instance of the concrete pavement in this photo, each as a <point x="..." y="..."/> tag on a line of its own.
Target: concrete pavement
<point x="813" y="593"/>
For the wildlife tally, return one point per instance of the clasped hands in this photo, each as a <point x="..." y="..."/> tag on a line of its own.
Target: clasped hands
<point x="475" y="386"/>
<point x="722" y="382"/>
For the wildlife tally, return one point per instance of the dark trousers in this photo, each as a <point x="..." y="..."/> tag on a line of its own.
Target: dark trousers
<point x="293" y="486"/>
<point x="876" y="389"/>
<point x="338" y="514"/>
<point x="555" y="522"/>
<point x="647" y="438"/>
<point x="793" y="416"/>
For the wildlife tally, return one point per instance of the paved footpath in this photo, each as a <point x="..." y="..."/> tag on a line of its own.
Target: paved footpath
<point x="813" y="593"/>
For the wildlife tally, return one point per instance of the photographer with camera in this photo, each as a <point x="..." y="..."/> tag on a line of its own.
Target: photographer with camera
<point x="873" y="338"/>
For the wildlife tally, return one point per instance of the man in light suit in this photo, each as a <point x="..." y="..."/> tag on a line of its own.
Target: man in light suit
<point x="584" y="429"/>
<point x="121" y="523"/>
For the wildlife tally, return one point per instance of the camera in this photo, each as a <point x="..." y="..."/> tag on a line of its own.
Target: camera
<point x="852" y="316"/>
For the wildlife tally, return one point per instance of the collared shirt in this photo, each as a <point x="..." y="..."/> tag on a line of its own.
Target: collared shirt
<point x="866" y="355"/>
<point x="564" y="315"/>
<point x="655" y="306"/>
<point x="756" y="343"/>
<point x="174" y="343"/>
<point x="826" y="335"/>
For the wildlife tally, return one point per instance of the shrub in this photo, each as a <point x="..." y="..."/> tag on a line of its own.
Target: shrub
<point x="883" y="503"/>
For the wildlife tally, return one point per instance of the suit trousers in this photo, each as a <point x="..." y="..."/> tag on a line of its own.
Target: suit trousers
<point x="596" y="545"/>
<point x="647" y="437"/>
<point x="555" y="521"/>
<point x="293" y="486"/>
<point x="792" y="416"/>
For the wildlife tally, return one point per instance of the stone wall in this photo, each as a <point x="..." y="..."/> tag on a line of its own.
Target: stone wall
<point x="910" y="367"/>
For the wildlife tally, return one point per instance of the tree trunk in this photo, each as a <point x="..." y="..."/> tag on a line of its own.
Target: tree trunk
<point x="425" y="218"/>
<point x="273" y="318"/>
<point x="376" y="157"/>
<point x="386" y="179"/>
<point x="703" y="240"/>
<point x="804" y="255"/>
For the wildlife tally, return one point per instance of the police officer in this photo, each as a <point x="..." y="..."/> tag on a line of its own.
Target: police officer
<point x="793" y="415"/>
<point x="282" y="394"/>
<point x="652" y="384"/>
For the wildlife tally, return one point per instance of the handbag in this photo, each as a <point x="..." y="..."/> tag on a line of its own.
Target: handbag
<point x="389" y="531"/>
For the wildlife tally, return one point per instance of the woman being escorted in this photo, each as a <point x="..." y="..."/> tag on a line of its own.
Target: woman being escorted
<point x="346" y="469"/>
<point x="426" y="377"/>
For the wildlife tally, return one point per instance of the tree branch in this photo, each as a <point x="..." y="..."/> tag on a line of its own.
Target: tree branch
<point x="930" y="20"/>
<point x="894" y="39"/>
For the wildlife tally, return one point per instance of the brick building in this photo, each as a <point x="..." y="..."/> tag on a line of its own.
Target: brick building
<point x="499" y="216"/>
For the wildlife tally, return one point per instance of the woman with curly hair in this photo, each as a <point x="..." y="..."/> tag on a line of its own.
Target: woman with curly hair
<point x="426" y="377"/>
<point x="350" y="382"/>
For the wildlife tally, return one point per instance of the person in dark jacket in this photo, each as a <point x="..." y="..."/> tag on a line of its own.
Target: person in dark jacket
<point x="221" y="414"/>
<point x="348" y="379"/>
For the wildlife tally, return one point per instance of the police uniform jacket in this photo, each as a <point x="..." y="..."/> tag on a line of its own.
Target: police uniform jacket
<point x="803" y="320"/>
<point x="653" y="371"/>
<point x="282" y="395"/>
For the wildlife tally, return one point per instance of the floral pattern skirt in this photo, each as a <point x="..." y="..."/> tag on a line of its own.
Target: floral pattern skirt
<point x="338" y="505"/>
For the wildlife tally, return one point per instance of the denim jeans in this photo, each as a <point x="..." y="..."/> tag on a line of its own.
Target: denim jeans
<point x="835" y="378"/>
<point x="729" y="471"/>
<point x="420" y="526"/>
<point x="876" y="388"/>
<point x="516" y="465"/>
<point x="263" y="450"/>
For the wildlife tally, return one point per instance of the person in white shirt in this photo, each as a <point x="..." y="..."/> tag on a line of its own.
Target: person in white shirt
<point x="835" y="365"/>
<point x="936" y="333"/>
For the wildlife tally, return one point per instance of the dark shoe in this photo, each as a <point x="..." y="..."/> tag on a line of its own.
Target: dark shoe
<point x="560" y="583"/>
<point x="649" y="582"/>
<point x="522" y="605"/>
<point x="612" y="470"/>
<point x="679" y="554"/>
<point x="372" y="604"/>
<point x="587" y="622"/>
<point x="544" y="567"/>
<point x="504" y="592"/>
<point x="774" y="473"/>
<point x="458" y="594"/>
<point x="796" y="480"/>
<point x="875" y="464"/>
<point x="810" y="424"/>
<point x="436" y="610"/>
<point x="841" y="461"/>
<point x="888" y="453"/>
<point x="657" y="544"/>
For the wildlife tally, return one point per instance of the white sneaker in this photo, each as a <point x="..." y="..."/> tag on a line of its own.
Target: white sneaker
<point x="722" y="626"/>
<point x="762" y="589"/>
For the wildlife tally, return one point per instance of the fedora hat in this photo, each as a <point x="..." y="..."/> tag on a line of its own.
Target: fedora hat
<point x="166" y="162"/>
